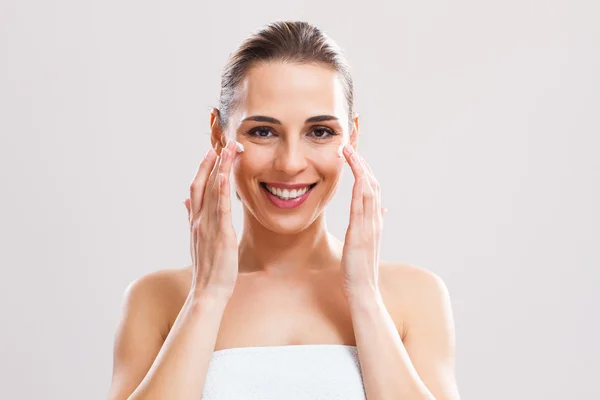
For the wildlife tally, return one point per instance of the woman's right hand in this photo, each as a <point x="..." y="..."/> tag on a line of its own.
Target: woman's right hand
<point x="213" y="242"/>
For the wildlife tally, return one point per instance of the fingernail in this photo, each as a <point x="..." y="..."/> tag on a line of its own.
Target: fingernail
<point x="340" y="149"/>
<point x="239" y="147"/>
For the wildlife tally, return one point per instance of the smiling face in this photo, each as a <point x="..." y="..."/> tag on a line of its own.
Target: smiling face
<point x="291" y="119"/>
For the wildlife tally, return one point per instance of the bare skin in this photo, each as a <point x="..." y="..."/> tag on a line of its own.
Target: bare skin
<point x="284" y="286"/>
<point x="307" y="308"/>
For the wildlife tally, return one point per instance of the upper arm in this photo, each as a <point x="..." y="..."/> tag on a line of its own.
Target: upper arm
<point x="430" y="336"/>
<point x="138" y="337"/>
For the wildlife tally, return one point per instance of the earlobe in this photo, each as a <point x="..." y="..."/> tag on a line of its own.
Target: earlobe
<point x="216" y="141"/>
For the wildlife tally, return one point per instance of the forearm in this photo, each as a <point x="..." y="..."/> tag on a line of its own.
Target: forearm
<point x="387" y="370"/>
<point x="179" y="370"/>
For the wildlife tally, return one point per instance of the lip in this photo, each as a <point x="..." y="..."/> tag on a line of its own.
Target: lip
<point x="289" y="186"/>
<point x="287" y="204"/>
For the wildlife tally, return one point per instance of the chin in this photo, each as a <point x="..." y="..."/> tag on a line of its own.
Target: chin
<point x="287" y="225"/>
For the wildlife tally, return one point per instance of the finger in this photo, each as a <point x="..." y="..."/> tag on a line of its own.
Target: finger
<point x="186" y="202"/>
<point x="212" y="195"/>
<point x="378" y="211"/>
<point x="225" y="166"/>
<point x="368" y="194"/>
<point x="224" y="202"/>
<point x="224" y="159"/>
<point x="371" y="175"/>
<point x="356" y="205"/>
<point x="198" y="185"/>
<point x="369" y="202"/>
<point x="374" y="185"/>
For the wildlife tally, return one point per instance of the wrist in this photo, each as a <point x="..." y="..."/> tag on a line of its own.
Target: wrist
<point x="365" y="298"/>
<point x="210" y="295"/>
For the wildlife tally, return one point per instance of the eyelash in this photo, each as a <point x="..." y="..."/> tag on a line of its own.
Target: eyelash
<point x="330" y="132"/>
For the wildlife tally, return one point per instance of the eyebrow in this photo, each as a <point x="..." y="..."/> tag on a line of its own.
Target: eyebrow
<point x="262" y="118"/>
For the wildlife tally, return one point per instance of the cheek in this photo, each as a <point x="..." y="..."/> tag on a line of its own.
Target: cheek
<point x="257" y="159"/>
<point x="247" y="166"/>
<point x="239" y="169"/>
<point x="327" y="160"/>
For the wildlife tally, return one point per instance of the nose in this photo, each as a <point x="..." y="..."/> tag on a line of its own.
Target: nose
<point x="290" y="158"/>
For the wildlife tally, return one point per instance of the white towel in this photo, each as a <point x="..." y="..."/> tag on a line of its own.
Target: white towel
<point x="292" y="372"/>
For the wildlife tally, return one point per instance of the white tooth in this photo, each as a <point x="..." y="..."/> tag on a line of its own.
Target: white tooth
<point x="278" y="191"/>
<point x="294" y="193"/>
<point x="285" y="193"/>
<point x="301" y="191"/>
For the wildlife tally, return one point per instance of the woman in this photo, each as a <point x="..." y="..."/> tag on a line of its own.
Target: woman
<point x="289" y="311"/>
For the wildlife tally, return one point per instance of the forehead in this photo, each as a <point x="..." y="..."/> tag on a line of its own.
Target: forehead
<point x="291" y="92"/>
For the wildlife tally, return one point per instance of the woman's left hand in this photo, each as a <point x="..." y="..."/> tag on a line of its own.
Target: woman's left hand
<point x="360" y="257"/>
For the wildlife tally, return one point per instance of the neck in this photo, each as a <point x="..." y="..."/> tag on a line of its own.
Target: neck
<point x="310" y="250"/>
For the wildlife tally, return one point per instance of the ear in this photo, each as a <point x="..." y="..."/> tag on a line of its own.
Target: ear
<point x="217" y="138"/>
<point x="354" y="133"/>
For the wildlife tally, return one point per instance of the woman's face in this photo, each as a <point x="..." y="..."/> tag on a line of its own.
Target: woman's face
<point x="284" y="147"/>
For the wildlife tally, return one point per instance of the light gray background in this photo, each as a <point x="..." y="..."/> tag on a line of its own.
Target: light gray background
<point x="480" y="120"/>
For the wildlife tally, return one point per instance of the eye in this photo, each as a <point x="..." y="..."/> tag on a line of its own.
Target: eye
<point x="322" y="133"/>
<point x="260" y="132"/>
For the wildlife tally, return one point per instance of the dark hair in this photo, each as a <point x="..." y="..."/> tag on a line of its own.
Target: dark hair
<point x="287" y="41"/>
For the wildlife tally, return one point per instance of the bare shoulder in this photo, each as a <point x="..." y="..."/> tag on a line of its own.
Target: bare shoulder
<point x="429" y="334"/>
<point x="148" y="305"/>
<point x="162" y="292"/>
<point x="408" y="281"/>
<point x="407" y="289"/>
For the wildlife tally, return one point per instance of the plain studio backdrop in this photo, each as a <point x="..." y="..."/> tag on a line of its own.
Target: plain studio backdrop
<point x="480" y="120"/>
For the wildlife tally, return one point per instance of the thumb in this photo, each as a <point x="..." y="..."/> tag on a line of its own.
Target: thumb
<point x="186" y="202"/>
